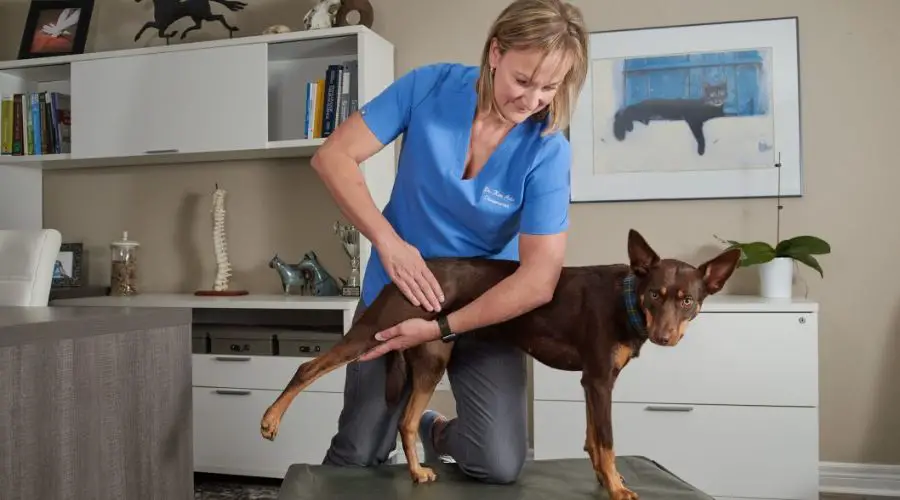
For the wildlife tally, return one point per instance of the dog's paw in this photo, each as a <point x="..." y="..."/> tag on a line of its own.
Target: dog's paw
<point x="623" y="493"/>
<point x="423" y="475"/>
<point x="268" y="427"/>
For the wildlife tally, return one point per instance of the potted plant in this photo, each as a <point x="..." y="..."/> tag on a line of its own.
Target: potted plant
<point x="776" y="263"/>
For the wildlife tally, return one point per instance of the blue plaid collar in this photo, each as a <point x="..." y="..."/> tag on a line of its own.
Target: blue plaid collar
<point x="632" y="307"/>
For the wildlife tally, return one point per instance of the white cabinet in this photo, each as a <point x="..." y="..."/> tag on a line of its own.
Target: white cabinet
<point x="727" y="451"/>
<point x="190" y="101"/>
<point x="732" y="409"/>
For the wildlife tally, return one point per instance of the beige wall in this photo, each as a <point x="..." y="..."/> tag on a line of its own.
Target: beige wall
<point x="850" y="109"/>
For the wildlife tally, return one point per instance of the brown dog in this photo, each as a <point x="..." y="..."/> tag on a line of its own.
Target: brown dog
<point x="598" y="319"/>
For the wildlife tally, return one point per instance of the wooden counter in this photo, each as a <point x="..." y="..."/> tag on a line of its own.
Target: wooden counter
<point x="95" y="403"/>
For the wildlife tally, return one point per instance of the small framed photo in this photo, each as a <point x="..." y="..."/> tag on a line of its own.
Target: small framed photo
<point x="68" y="266"/>
<point x="56" y="28"/>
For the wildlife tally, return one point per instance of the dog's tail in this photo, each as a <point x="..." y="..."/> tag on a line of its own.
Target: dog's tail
<point x="395" y="376"/>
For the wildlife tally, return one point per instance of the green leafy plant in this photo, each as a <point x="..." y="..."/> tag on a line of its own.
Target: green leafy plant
<point x="803" y="248"/>
<point x="800" y="248"/>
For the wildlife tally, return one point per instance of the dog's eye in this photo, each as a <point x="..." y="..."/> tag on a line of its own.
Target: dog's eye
<point x="654" y="294"/>
<point x="687" y="302"/>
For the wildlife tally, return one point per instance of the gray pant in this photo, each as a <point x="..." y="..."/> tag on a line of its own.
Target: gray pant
<point x="489" y="438"/>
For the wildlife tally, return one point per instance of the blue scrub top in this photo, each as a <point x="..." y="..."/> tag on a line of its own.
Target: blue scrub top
<point x="523" y="188"/>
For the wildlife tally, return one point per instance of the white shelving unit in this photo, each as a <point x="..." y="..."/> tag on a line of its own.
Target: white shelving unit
<point x="242" y="98"/>
<point x="234" y="99"/>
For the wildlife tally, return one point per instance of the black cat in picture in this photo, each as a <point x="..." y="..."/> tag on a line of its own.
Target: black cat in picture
<point x="695" y="112"/>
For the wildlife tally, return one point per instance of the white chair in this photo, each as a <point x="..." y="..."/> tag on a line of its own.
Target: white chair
<point x="27" y="259"/>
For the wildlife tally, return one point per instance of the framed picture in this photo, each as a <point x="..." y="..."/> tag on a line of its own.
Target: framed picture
<point x="68" y="267"/>
<point x="689" y="112"/>
<point x="56" y="28"/>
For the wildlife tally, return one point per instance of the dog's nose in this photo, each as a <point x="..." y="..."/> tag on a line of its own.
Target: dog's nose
<point x="664" y="340"/>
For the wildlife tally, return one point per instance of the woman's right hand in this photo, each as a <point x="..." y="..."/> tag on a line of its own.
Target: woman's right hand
<point x="407" y="269"/>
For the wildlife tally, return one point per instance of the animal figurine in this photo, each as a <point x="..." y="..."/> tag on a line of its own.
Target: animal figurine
<point x="276" y="29"/>
<point x="322" y="15"/>
<point x="292" y="277"/>
<point x="355" y="12"/>
<point x="166" y="12"/>
<point x="595" y="322"/>
<point x="321" y="283"/>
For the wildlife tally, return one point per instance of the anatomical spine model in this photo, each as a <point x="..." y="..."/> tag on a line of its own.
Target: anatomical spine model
<point x="220" y="246"/>
<point x="223" y="267"/>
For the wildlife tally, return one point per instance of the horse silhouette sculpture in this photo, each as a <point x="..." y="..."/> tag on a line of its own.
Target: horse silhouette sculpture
<point x="166" y="12"/>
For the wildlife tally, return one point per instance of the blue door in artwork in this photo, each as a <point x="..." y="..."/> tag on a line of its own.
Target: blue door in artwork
<point x="684" y="76"/>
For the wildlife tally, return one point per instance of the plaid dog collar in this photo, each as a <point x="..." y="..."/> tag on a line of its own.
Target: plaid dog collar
<point x="632" y="308"/>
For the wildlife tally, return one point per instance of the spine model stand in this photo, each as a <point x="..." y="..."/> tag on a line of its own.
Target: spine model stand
<point x="220" y="245"/>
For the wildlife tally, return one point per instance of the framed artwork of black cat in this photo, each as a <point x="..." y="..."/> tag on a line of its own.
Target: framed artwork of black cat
<point x="689" y="112"/>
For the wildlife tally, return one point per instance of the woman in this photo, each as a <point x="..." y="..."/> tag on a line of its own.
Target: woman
<point x="483" y="171"/>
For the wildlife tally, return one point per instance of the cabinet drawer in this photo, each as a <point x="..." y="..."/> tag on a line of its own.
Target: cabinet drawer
<point x="227" y="439"/>
<point x="258" y="372"/>
<point x="170" y="102"/>
<point x="724" y="358"/>
<point x="725" y="451"/>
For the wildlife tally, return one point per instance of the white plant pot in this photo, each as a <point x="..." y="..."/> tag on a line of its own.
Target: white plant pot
<point x="776" y="278"/>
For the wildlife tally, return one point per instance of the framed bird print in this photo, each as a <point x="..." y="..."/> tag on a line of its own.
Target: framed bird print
<point x="56" y="28"/>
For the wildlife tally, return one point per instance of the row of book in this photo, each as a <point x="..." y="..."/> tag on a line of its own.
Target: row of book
<point x="35" y="123"/>
<point x="331" y="99"/>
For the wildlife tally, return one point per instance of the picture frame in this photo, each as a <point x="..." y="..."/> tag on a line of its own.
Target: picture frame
<point x="694" y="111"/>
<point x="67" y="271"/>
<point x="56" y="28"/>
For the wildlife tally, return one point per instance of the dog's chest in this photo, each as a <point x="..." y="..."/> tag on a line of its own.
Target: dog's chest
<point x="553" y="352"/>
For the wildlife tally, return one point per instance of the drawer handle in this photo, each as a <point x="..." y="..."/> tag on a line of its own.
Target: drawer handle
<point x="670" y="408"/>
<point x="160" y="151"/>
<point x="232" y="392"/>
<point x="232" y="358"/>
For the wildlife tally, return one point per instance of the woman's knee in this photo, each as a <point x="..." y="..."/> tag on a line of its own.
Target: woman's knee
<point x="498" y="463"/>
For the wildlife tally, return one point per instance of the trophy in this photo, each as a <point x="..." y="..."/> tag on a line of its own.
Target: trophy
<point x="350" y="240"/>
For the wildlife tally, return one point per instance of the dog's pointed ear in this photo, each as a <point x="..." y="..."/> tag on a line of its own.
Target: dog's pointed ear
<point x="640" y="255"/>
<point x="716" y="271"/>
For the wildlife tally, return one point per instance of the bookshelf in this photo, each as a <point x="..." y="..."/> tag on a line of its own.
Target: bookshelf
<point x="235" y="99"/>
<point x="180" y="103"/>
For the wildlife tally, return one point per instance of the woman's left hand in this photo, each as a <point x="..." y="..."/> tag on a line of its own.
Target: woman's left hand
<point x="404" y="335"/>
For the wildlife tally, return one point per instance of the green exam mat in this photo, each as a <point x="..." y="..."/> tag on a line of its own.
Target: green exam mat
<point x="564" y="479"/>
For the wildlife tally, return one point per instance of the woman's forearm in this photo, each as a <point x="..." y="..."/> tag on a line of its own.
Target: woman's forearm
<point x="344" y="181"/>
<point x="521" y="292"/>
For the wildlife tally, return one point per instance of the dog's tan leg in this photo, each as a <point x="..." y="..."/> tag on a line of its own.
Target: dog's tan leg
<point x="599" y="437"/>
<point x="427" y="364"/>
<point x="306" y="374"/>
<point x="356" y="342"/>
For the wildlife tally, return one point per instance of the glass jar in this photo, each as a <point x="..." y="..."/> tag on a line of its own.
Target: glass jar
<point x="123" y="274"/>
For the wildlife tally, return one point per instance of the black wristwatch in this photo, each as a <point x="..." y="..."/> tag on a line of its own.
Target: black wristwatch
<point x="446" y="334"/>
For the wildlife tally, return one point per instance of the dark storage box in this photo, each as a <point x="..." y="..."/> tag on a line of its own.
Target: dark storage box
<point x="305" y="343"/>
<point x="247" y="340"/>
<point x="199" y="341"/>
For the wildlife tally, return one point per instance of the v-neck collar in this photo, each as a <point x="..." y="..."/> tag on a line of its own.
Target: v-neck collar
<point x="464" y="116"/>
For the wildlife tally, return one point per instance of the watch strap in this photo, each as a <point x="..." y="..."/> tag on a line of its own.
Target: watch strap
<point x="446" y="334"/>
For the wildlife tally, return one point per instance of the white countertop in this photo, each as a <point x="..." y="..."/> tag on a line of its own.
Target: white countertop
<point x="715" y="303"/>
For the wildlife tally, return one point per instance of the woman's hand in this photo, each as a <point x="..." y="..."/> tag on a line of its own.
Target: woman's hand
<point x="407" y="269"/>
<point x="404" y="335"/>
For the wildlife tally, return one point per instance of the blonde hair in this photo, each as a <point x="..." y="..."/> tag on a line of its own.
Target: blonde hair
<point x="547" y="26"/>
